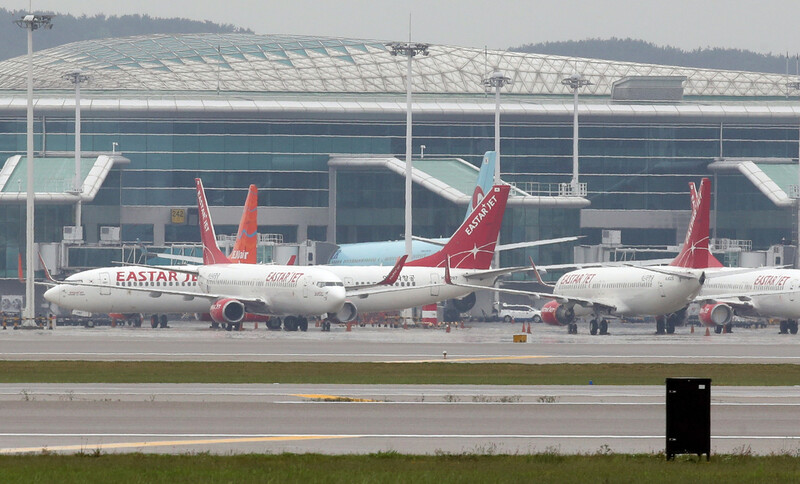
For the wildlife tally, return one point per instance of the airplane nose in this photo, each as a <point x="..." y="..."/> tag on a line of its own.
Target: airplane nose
<point x="52" y="294"/>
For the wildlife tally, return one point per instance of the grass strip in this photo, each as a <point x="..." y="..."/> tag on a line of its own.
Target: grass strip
<point x="390" y="373"/>
<point x="392" y="467"/>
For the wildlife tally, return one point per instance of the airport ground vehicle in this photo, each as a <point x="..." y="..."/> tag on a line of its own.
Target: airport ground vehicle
<point x="519" y="312"/>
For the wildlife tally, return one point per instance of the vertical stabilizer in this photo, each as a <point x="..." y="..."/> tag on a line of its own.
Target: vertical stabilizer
<point x="472" y="246"/>
<point x="695" y="253"/>
<point x="485" y="181"/>
<point x="211" y="252"/>
<point x="246" y="246"/>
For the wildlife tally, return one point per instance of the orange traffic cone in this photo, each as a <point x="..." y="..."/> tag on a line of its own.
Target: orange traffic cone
<point x="708" y="332"/>
<point x="529" y="328"/>
<point x="447" y="329"/>
<point x="349" y="325"/>
<point x="724" y="329"/>
<point x="692" y="330"/>
<point x="255" y="325"/>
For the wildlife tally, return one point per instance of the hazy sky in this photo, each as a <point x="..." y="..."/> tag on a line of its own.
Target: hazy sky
<point x="762" y="26"/>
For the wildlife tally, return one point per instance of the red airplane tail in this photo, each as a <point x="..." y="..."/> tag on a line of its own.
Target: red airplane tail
<point x="246" y="246"/>
<point x="695" y="253"/>
<point x="211" y="252"/>
<point x="472" y="246"/>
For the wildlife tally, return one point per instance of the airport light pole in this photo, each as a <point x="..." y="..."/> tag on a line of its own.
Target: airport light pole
<point x="796" y="86"/>
<point x="575" y="82"/>
<point x="30" y="22"/>
<point x="76" y="77"/>
<point x="496" y="81"/>
<point x="409" y="50"/>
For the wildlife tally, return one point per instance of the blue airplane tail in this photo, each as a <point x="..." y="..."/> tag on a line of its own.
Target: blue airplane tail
<point x="485" y="180"/>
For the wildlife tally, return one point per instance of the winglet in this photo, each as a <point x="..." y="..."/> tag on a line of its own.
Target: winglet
<point x="395" y="272"/>
<point x="46" y="271"/>
<point x="447" y="278"/>
<point x="538" y="276"/>
<point x="246" y="246"/>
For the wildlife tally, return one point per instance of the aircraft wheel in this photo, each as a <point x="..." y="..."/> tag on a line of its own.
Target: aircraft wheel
<point x="303" y="324"/>
<point x="163" y="320"/>
<point x="154" y="321"/>
<point x="228" y="327"/>
<point x="603" y="326"/>
<point x="137" y="321"/>
<point x="718" y="329"/>
<point x="792" y="326"/>
<point x="784" y="327"/>
<point x="274" y="324"/>
<point x="290" y="323"/>
<point x="729" y="328"/>
<point x="326" y="325"/>
<point x="660" y="326"/>
<point x="593" y="327"/>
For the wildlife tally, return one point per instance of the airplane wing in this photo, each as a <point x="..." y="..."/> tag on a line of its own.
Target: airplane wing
<point x="386" y="285"/>
<point x="252" y="305"/>
<point x="183" y="258"/>
<point x="502" y="247"/>
<point x="536" y="295"/>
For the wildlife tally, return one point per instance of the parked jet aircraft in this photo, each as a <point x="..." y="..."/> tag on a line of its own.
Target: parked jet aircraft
<point x="470" y="251"/>
<point x="132" y="309"/>
<point x="229" y="290"/>
<point x="626" y="291"/>
<point x="768" y="293"/>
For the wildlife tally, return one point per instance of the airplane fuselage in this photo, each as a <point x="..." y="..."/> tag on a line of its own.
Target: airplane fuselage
<point x="783" y="305"/>
<point x="287" y="290"/>
<point x="406" y="292"/>
<point x="631" y="290"/>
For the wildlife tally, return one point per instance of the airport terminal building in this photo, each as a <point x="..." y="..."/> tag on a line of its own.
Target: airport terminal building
<point x="318" y="124"/>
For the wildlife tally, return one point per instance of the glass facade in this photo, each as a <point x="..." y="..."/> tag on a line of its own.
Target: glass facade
<point x="628" y="164"/>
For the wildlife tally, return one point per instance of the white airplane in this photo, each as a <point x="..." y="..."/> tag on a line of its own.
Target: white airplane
<point x="131" y="309"/>
<point x="421" y="281"/>
<point x="226" y="290"/>
<point x="766" y="292"/>
<point x="595" y="293"/>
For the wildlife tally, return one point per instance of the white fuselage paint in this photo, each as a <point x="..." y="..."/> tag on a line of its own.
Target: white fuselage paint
<point x="783" y="305"/>
<point x="287" y="290"/>
<point x="632" y="291"/>
<point x="406" y="293"/>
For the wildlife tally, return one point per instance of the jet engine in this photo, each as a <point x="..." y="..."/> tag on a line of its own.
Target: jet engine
<point x="557" y="314"/>
<point x="348" y="313"/>
<point x="715" y="314"/>
<point x="465" y="303"/>
<point x="227" y="311"/>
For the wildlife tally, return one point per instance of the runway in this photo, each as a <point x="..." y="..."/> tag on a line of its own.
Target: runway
<point x="179" y="418"/>
<point x="478" y="342"/>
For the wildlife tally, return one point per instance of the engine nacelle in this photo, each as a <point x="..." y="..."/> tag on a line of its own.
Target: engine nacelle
<point x="557" y="314"/>
<point x="227" y="311"/>
<point x="715" y="314"/>
<point x="348" y="313"/>
<point x="465" y="303"/>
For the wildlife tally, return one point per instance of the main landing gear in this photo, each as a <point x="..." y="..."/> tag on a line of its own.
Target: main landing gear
<point x="665" y="325"/>
<point x="601" y="327"/>
<point x="326" y="324"/>
<point x="158" y="321"/>
<point x="572" y="328"/>
<point x="789" y="326"/>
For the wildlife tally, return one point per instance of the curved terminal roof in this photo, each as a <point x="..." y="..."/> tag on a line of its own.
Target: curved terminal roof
<point x="193" y="63"/>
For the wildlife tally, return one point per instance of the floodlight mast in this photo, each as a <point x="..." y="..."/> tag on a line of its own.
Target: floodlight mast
<point x="76" y="77"/>
<point x="575" y="82"/>
<point x="796" y="86"/>
<point x="30" y="22"/>
<point x="409" y="50"/>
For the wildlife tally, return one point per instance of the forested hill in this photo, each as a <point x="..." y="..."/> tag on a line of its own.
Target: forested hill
<point x="68" y="28"/>
<point x="630" y="50"/>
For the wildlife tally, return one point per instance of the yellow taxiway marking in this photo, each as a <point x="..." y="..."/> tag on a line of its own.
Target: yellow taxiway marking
<point x="482" y="358"/>
<point x="166" y="443"/>
<point x="332" y="398"/>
